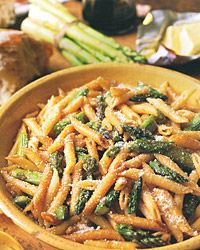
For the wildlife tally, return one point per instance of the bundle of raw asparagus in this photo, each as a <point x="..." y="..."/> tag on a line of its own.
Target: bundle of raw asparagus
<point x="50" y="21"/>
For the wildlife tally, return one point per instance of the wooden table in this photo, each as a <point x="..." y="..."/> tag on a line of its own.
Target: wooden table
<point x="58" y="62"/>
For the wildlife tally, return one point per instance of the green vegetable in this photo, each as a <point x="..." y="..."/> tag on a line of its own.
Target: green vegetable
<point x="194" y="125"/>
<point x="97" y="127"/>
<point x="56" y="161"/>
<point x="135" y="196"/>
<point x="167" y="172"/>
<point x="149" y="146"/>
<point x="32" y="177"/>
<point x="181" y="156"/>
<point x="152" y="93"/>
<point x="114" y="149"/>
<point x="83" y="198"/>
<point x="142" y="237"/>
<point x="22" y="142"/>
<point x="22" y="200"/>
<point x="190" y="204"/>
<point x="160" y="118"/>
<point x="104" y="206"/>
<point x="90" y="166"/>
<point x="101" y="106"/>
<point x="81" y="153"/>
<point x="80" y="44"/>
<point x="149" y="124"/>
<point x="137" y="133"/>
<point x="116" y="137"/>
<point x="58" y="127"/>
<point x="62" y="213"/>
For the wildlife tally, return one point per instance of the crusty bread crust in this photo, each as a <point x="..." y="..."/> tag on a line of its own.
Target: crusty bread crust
<point x="21" y="60"/>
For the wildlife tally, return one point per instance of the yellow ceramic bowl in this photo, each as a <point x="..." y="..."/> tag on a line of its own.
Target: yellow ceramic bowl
<point x="25" y="100"/>
<point x="7" y="242"/>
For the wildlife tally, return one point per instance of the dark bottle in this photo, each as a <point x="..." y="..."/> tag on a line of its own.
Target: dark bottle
<point x="110" y="16"/>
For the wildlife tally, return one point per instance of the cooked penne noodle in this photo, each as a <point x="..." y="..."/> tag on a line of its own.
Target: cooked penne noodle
<point x="40" y="195"/>
<point x="129" y="113"/>
<point x="124" y="198"/>
<point x="69" y="152"/>
<point x="120" y="183"/>
<point x="106" y="183"/>
<point x="183" y="141"/>
<point x="93" y="93"/>
<point x="144" y="108"/>
<point x="170" y="212"/>
<point x="126" y="96"/>
<point x="88" y="132"/>
<point x="53" y="188"/>
<point x="179" y="198"/>
<point x="113" y="119"/>
<point x="157" y="180"/>
<point x="35" y="157"/>
<point x="92" y="148"/>
<point x="59" y="141"/>
<point x="88" y="110"/>
<point x="137" y="161"/>
<point x="88" y="184"/>
<point x="61" y="194"/>
<point x="74" y="105"/>
<point x="77" y="176"/>
<point x="22" y="162"/>
<point x="106" y="124"/>
<point x="60" y="229"/>
<point x="100" y="221"/>
<point x="163" y="87"/>
<point x="167" y="110"/>
<point x="118" y="91"/>
<point x="21" y="185"/>
<point x="181" y="99"/>
<point x="165" y="130"/>
<point x="33" y="126"/>
<point x="138" y="222"/>
<point x="150" y="204"/>
<point x="104" y="163"/>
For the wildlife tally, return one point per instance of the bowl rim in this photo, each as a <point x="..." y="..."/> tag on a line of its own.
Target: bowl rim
<point x="41" y="233"/>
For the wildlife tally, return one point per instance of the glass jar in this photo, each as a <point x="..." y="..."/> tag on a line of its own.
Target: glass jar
<point x="110" y="16"/>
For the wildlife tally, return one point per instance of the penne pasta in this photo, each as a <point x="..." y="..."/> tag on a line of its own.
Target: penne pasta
<point x="69" y="152"/>
<point x="167" y="110"/>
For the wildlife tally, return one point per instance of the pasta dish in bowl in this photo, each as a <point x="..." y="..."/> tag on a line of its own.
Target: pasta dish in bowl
<point x="108" y="163"/>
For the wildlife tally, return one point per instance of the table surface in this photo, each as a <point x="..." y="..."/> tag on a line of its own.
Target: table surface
<point x="58" y="62"/>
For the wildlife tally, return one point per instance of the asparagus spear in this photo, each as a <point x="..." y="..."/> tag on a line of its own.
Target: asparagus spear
<point x="142" y="237"/>
<point x="62" y="213"/>
<point x="101" y="106"/>
<point x="194" y="125"/>
<point x="22" y="142"/>
<point x="135" y="196"/>
<point x="116" y="137"/>
<point x="152" y="93"/>
<point x="83" y="198"/>
<point x="136" y="132"/>
<point x="105" y="205"/>
<point x="149" y="146"/>
<point x="22" y="200"/>
<point x="90" y="166"/>
<point x="56" y="160"/>
<point x="160" y="118"/>
<point x="32" y="177"/>
<point x="97" y="127"/>
<point x="190" y="204"/>
<point x="82" y="55"/>
<point x="71" y="58"/>
<point x="81" y="153"/>
<point x="114" y="149"/>
<point x="167" y="172"/>
<point x="58" y="127"/>
<point x="181" y="156"/>
<point x="149" y="124"/>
